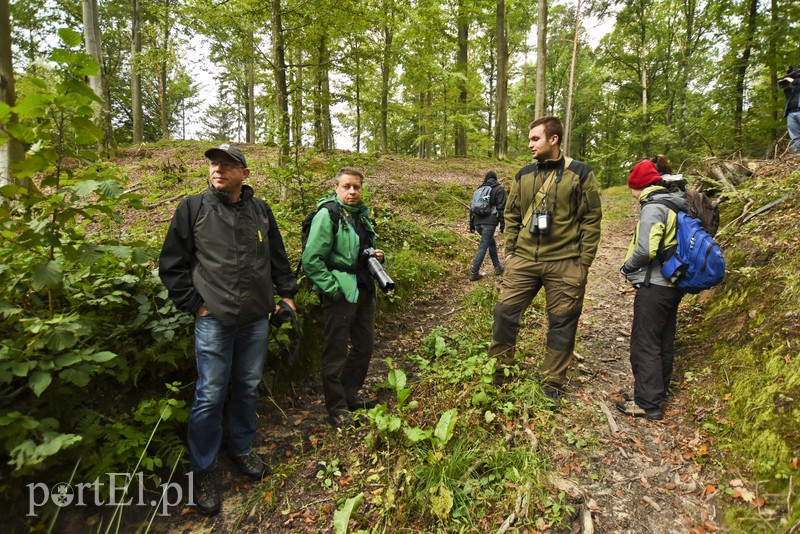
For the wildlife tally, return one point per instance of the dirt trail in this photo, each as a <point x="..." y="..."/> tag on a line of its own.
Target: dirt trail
<point x="644" y="477"/>
<point x="633" y="476"/>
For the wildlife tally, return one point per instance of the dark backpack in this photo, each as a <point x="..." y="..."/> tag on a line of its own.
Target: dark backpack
<point x="481" y="203"/>
<point x="305" y="227"/>
<point x="696" y="263"/>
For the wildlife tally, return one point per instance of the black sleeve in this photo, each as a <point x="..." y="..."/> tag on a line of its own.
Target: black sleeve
<point x="176" y="258"/>
<point x="282" y="275"/>
<point x="500" y="204"/>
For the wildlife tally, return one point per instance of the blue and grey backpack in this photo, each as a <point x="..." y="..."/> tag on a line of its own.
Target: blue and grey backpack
<point x="696" y="263"/>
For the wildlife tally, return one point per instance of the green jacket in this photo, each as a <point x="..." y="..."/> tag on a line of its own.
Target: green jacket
<point x="574" y="201"/>
<point x="330" y="259"/>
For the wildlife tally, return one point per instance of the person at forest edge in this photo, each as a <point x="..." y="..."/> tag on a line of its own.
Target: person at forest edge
<point x="655" y="306"/>
<point x="335" y="262"/>
<point x="486" y="225"/>
<point x="220" y="264"/>
<point x="552" y="217"/>
<point x="791" y="89"/>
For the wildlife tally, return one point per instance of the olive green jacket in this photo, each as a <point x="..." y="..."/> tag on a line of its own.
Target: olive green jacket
<point x="574" y="202"/>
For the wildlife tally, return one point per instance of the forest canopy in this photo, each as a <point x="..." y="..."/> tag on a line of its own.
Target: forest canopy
<point x="434" y="79"/>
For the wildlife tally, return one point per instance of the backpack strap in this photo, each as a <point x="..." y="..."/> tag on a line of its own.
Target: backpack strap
<point x="661" y="250"/>
<point x="194" y="202"/>
<point x="333" y="211"/>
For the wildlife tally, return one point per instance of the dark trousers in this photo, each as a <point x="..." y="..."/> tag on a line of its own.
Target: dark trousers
<point x="655" y="318"/>
<point x="345" y="368"/>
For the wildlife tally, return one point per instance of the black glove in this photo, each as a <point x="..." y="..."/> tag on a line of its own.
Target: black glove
<point x="472" y="229"/>
<point x="502" y="227"/>
<point x="625" y="271"/>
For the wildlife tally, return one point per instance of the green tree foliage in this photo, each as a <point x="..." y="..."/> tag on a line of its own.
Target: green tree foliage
<point x="81" y="317"/>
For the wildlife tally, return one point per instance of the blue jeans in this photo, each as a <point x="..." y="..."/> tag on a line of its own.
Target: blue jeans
<point x="225" y="355"/>
<point x="793" y="125"/>
<point x="487" y="243"/>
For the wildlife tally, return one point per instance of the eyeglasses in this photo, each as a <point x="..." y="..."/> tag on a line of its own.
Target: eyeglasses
<point x="225" y="164"/>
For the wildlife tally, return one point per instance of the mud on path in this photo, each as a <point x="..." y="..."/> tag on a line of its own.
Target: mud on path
<point x="629" y="475"/>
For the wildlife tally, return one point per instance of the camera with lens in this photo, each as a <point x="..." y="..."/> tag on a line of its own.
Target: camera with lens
<point x="384" y="281"/>
<point x="791" y="72"/>
<point x="541" y="222"/>
<point x="284" y="315"/>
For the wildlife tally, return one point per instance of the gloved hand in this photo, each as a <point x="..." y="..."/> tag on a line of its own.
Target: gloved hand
<point x="625" y="271"/>
<point x="472" y="229"/>
<point x="502" y="227"/>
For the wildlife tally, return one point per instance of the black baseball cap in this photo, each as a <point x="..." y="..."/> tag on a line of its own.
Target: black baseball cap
<point x="228" y="149"/>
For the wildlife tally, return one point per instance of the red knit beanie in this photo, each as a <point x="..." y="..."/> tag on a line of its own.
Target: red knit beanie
<point x="643" y="174"/>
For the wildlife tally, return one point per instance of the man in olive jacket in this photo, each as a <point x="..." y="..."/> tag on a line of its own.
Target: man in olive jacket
<point x="221" y="256"/>
<point x="552" y="220"/>
<point x="335" y="262"/>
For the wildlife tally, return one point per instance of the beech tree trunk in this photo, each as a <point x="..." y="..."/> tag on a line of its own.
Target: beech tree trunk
<point x="541" y="59"/>
<point x="386" y="64"/>
<point x="281" y="92"/>
<point x="501" y="103"/>
<point x="91" y="35"/>
<point x="741" y="71"/>
<point x="571" y="88"/>
<point x="11" y="152"/>
<point x="462" y="57"/>
<point x="137" y="111"/>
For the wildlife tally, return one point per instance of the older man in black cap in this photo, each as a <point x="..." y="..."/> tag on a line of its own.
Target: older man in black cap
<point x="221" y="257"/>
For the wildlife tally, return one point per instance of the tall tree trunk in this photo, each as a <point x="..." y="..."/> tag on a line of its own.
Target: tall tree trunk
<point x="358" y="106"/>
<point x="386" y="65"/>
<point x="741" y="70"/>
<point x="163" y="76"/>
<point x="297" y="98"/>
<point x="501" y="103"/>
<point x="281" y="92"/>
<point x="462" y="57"/>
<point x="491" y="93"/>
<point x="423" y="132"/>
<point x="11" y="152"/>
<point x="323" y="128"/>
<point x="137" y="111"/>
<point x="571" y="89"/>
<point x="643" y="57"/>
<point x="541" y="58"/>
<point x="91" y="34"/>
<point x="250" y="92"/>
<point x="772" y="59"/>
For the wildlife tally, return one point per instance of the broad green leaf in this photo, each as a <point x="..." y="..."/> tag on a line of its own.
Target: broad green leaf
<point x="103" y="356"/>
<point x="341" y="517"/>
<point x="89" y="254"/>
<point x="444" y="428"/>
<point x="71" y="358"/>
<point x="5" y="112"/>
<point x="47" y="275"/>
<point x="70" y="37"/>
<point x="119" y="251"/>
<point x="85" y="188"/>
<point x="79" y="377"/>
<point x="58" y="339"/>
<point x="440" y="346"/>
<point x="22" y="368"/>
<point x="39" y="381"/>
<point x="416" y="434"/>
<point x="110" y="189"/>
<point x="21" y="132"/>
<point x="397" y="379"/>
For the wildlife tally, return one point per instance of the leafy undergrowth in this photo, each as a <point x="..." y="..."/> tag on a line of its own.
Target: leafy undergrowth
<point x="746" y="384"/>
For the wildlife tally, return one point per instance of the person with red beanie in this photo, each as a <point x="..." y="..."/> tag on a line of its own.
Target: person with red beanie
<point x="655" y="306"/>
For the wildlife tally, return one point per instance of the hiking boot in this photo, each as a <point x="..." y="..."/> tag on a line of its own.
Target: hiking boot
<point x="555" y="398"/>
<point x="340" y="420"/>
<point x="499" y="270"/>
<point x="206" y="496"/>
<point x="251" y="465"/>
<point x="474" y="277"/>
<point x="358" y="402"/>
<point x="633" y="409"/>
